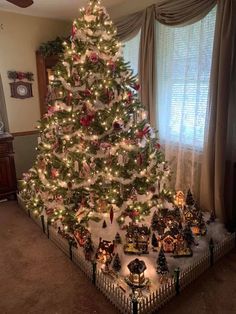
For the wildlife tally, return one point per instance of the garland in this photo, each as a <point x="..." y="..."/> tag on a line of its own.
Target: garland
<point x="52" y="47"/>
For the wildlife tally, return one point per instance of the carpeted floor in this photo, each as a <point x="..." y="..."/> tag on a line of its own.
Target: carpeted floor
<point x="36" y="277"/>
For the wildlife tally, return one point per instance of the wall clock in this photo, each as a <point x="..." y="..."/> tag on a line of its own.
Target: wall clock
<point x="21" y="89"/>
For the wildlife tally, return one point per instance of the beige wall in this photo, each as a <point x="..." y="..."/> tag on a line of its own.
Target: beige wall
<point x="128" y="7"/>
<point x="19" y="39"/>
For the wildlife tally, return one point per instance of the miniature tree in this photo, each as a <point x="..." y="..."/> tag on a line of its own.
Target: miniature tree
<point x="118" y="238"/>
<point x="116" y="263"/>
<point x="104" y="225"/>
<point x="188" y="235"/>
<point x="88" y="248"/>
<point x="155" y="221"/>
<point x="212" y="218"/>
<point x="189" y="198"/>
<point x="154" y="241"/>
<point x="96" y="146"/>
<point x="162" y="267"/>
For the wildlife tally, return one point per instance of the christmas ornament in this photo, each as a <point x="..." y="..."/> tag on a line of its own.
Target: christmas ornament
<point x="142" y="133"/>
<point x="54" y="173"/>
<point x="93" y="57"/>
<point x="111" y="215"/>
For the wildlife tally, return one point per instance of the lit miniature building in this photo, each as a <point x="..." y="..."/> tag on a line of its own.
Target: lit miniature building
<point x="181" y="247"/>
<point x="136" y="277"/>
<point x="194" y="217"/>
<point x="81" y="235"/>
<point x="105" y="251"/>
<point x="137" y="239"/>
<point x="168" y="242"/>
<point x="180" y="199"/>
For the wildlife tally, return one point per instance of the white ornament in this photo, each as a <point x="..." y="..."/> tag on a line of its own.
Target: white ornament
<point x="90" y="18"/>
<point x="76" y="166"/>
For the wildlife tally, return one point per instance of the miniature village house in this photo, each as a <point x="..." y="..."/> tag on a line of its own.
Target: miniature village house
<point x="137" y="239"/>
<point x="180" y="199"/>
<point x="136" y="277"/>
<point x="168" y="242"/>
<point x="81" y="236"/>
<point x="105" y="251"/>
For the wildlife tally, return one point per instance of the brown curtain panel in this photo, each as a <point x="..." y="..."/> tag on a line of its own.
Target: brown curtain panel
<point x="212" y="185"/>
<point x="147" y="63"/>
<point x="128" y="26"/>
<point x="181" y="12"/>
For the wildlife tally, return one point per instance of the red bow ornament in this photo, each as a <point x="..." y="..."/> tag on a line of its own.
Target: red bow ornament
<point x="142" y="133"/>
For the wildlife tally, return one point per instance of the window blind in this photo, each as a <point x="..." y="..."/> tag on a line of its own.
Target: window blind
<point x="184" y="58"/>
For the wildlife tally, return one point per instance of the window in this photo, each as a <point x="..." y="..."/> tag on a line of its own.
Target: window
<point x="131" y="52"/>
<point x="184" y="57"/>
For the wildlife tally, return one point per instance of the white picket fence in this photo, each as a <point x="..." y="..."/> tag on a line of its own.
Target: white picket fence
<point x="84" y="265"/>
<point x="158" y="298"/>
<point x="224" y="247"/>
<point x="113" y="293"/>
<point x="116" y="295"/>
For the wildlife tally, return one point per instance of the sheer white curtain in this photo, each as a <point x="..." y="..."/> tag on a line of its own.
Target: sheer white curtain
<point x="184" y="57"/>
<point x="131" y="52"/>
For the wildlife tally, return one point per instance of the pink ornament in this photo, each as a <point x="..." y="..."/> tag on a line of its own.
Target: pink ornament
<point x="54" y="173"/>
<point x="112" y="65"/>
<point x="93" y="57"/>
<point x="73" y="31"/>
<point x="86" y="121"/>
<point x="105" y="145"/>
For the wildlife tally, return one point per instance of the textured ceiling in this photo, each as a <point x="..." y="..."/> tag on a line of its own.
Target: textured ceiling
<point x="58" y="9"/>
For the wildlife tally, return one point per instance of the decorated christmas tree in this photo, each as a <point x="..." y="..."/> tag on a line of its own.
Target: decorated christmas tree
<point x="188" y="235"/>
<point x="154" y="241"/>
<point x="162" y="267"/>
<point x="155" y="221"/>
<point x="97" y="152"/>
<point x="189" y="198"/>
<point x="116" y="263"/>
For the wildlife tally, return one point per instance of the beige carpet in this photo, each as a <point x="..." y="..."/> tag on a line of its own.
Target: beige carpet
<point x="36" y="277"/>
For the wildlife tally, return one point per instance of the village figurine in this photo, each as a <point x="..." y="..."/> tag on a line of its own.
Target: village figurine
<point x="105" y="251"/>
<point x="118" y="238"/>
<point x="137" y="239"/>
<point x="136" y="277"/>
<point x="88" y="248"/>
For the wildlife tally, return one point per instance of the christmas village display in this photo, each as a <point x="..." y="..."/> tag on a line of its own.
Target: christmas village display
<point x="100" y="176"/>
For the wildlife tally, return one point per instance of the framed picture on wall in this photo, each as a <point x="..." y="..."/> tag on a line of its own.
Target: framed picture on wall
<point x="21" y="90"/>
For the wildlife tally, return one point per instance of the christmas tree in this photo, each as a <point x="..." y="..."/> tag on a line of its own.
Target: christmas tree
<point x="97" y="152"/>
<point x="154" y="241"/>
<point x="189" y="198"/>
<point x="116" y="263"/>
<point x="162" y="267"/>
<point x="188" y="235"/>
<point x="155" y="221"/>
